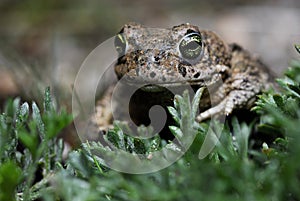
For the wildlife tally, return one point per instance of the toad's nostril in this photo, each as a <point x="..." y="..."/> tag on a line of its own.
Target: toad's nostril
<point x="156" y="59"/>
<point x="196" y="75"/>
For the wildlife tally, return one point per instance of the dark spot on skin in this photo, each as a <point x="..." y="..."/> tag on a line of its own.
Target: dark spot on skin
<point x="156" y="60"/>
<point x="197" y="75"/>
<point x="235" y="47"/>
<point x="121" y="60"/>
<point x="245" y="80"/>
<point x="152" y="74"/>
<point x="186" y="63"/>
<point x="224" y="75"/>
<point x="182" y="70"/>
<point x="142" y="60"/>
<point x="190" y="31"/>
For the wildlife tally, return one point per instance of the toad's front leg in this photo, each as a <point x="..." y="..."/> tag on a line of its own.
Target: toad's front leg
<point x="236" y="99"/>
<point x="237" y="92"/>
<point x="248" y="77"/>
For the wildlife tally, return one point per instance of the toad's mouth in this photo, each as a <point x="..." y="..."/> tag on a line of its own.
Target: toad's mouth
<point x="163" y="86"/>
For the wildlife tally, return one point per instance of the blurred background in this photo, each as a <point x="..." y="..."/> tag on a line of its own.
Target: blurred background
<point x="43" y="43"/>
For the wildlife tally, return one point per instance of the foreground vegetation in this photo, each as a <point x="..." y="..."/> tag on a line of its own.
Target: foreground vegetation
<point x="257" y="160"/>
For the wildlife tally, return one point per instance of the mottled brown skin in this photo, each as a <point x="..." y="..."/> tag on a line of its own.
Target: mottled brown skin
<point x="152" y="56"/>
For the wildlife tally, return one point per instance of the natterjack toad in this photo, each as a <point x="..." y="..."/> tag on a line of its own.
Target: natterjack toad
<point x="180" y="56"/>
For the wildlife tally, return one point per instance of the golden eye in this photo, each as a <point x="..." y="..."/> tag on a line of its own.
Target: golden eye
<point x="190" y="46"/>
<point x="120" y="44"/>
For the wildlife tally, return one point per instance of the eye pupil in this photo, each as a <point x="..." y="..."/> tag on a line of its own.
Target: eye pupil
<point x="193" y="46"/>
<point x="120" y="44"/>
<point x="190" y="46"/>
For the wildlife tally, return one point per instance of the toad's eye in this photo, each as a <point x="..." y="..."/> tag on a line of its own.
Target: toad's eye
<point x="190" y="46"/>
<point x="120" y="44"/>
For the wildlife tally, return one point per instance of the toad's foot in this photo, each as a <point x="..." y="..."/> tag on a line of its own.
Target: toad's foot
<point x="235" y="99"/>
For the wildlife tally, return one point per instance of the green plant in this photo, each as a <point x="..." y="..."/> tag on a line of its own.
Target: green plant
<point x="31" y="165"/>
<point x="29" y="146"/>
